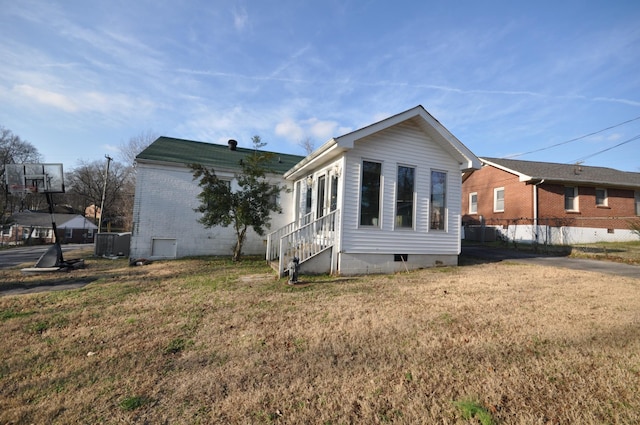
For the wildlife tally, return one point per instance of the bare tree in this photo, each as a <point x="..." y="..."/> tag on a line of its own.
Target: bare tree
<point x="135" y="145"/>
<point x="13" y="150"/>
<point x="86" y="183"/>
<point x="308" y="145"/>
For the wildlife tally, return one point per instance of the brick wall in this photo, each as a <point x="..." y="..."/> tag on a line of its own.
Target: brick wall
<point x="518" y="197"/>
<point x="616" y="215"/>
<point x="518" y="201"/>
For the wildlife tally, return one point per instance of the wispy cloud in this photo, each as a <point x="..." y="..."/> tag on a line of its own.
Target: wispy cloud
<point x="240" y="18"/>
<point x="46" y="97"/>
<point x="311" y="128"/>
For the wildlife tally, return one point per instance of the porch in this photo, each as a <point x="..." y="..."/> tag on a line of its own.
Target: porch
<point x="309" y="239"/>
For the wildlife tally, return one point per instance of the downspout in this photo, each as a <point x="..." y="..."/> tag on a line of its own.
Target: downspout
<point x="535" y="209"/>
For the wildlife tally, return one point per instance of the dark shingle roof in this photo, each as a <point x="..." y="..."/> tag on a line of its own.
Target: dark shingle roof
<point x="39" y="219"/>
<point x="181" y="151"/>
<point x="567" y="173"/>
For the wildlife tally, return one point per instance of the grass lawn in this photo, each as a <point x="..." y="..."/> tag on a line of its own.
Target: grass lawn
<point x="203" y="340"/>
<point x="624" y="252"/>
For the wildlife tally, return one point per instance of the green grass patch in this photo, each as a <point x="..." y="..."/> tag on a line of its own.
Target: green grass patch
<point x="134" y="402"/>
<point x="177" y="345"/>
<point x="11" y="314"/>
<point x="472" y="409"/>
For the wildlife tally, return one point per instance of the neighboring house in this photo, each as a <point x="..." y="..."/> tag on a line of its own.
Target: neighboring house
<point x="164" y="218"/>
<point x="549" y="203"/>
<point x="384" y="198"/>
<point x="36" y="228"/>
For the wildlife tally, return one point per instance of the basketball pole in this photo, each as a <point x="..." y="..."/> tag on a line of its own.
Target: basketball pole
<point x="56" y="241"/>
<point x="104" y="191"/>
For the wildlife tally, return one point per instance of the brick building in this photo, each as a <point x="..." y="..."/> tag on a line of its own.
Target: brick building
<point x="554" y="203"/>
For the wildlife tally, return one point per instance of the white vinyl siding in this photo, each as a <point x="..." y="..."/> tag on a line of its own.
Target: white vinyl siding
<point x="401" y="144"/>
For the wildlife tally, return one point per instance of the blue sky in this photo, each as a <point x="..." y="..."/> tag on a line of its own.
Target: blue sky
<point x="80" y="78"/>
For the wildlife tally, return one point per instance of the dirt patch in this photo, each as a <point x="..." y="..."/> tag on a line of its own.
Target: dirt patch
<point x="257" y="278"/>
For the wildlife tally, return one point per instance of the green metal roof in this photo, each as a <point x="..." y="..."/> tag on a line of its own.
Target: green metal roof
<point x="181" y="151"/>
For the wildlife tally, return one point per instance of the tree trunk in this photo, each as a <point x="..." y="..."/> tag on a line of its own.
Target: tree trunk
<point x="237" y="251"/>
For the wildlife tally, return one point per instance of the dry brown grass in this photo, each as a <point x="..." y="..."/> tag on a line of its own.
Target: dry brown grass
<point x="622" y="252"/>
<point x="206" y="341"/>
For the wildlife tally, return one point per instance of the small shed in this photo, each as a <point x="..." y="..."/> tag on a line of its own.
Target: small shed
<point x="112" y="244"/>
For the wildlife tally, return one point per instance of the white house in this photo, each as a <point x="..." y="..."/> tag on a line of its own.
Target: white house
<point x="383" y="198"/>
<point x="164" y="219"/>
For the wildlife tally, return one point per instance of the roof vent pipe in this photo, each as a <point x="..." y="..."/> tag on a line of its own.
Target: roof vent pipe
<point x="232" y="144"/>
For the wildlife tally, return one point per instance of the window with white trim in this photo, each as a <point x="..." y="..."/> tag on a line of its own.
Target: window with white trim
<point x="41" y="232"/>
<point x="473" y="203"/>
<point x="333" y="194"/>
<point x="571" y="198"/>
<point x="498" y="199"/>
<point x="370" y="193"/>
<point x="601" y="197"/>
<point x="6" y="230"/>
<point x="405" y="190"/>
<point x="637" y="196"/>
<point x="438" y="200"/>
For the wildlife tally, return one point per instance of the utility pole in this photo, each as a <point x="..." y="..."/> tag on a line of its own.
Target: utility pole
<point x="104" y="191"/>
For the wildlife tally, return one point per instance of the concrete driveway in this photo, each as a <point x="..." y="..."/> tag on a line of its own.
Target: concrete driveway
<point x="497" y="254"/>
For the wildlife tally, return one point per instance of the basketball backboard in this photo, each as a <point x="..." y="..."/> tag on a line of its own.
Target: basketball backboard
<point x="31" y="178"/>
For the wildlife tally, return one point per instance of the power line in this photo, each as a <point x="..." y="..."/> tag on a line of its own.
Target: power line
<point x="573" y="140"/>
<point x="607" y="149"/>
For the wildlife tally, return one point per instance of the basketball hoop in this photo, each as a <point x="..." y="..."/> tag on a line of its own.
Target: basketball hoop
<point x="23" y="179"/>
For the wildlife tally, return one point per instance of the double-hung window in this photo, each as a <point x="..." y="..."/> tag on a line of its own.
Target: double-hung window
<point x="370" y="193"/>
<point x="404" y="196"/>
<point x="473" y="203"/>
<point x="601" y="197"/>
<point x="571" y="198"/>
<point x="498" y="199"/>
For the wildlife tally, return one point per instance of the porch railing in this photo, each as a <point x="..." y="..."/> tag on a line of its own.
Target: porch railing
<point x="273" y="238"/>
<point x="306" y="241"/>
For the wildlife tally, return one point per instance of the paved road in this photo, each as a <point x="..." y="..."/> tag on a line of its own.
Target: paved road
<point x="607" y="267"/>
<point x="30" y="254"/>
